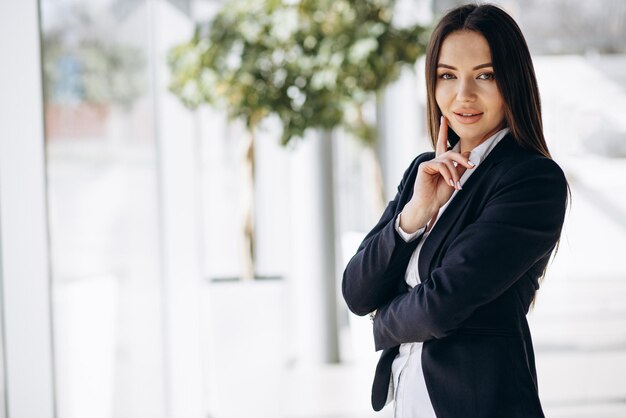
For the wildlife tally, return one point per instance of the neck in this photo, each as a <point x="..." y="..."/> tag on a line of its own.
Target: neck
<point x="467" y="145"/>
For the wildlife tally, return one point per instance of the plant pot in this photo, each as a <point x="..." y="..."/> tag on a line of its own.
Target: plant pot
<point x="244" y="337"/>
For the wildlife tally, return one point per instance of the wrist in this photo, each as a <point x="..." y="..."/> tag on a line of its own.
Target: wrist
<point x="413" y="217"/>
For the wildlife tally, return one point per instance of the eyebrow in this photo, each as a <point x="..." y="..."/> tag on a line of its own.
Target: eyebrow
<point x="487" y="64"/>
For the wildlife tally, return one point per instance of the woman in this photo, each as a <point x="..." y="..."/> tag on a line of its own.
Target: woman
<point x="452" y="267"/>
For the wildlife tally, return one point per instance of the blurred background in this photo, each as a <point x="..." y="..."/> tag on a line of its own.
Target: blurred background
<point x="182" y="184"/>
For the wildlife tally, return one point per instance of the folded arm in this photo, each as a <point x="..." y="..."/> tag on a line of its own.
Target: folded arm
<point x="519" y="225"/>
<point x="371" y="276"/>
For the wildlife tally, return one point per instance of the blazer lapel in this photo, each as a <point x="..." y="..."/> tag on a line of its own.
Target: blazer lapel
<point x="442" y="228"/>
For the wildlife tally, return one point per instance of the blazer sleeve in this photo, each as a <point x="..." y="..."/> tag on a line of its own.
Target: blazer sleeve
<point x="370" y="277"/>
<point x="519" y="225"/>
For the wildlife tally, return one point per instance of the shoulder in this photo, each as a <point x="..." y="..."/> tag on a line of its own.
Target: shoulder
<point x="532" y="166"/>
<point x="411" y="171"/>
<point x="511" y="155"/>
<point x="532" y="177"/>
<point x="424" y="156"/>
<point x="515" y="161"/>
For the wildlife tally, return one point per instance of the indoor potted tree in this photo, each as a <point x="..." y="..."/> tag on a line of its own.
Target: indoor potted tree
<point x="312" y="63"/>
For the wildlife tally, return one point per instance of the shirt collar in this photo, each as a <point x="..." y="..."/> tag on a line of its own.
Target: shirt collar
<point x="479" y="153"/>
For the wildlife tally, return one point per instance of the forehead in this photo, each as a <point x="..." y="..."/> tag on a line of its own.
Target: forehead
<point x="464" y="47"/>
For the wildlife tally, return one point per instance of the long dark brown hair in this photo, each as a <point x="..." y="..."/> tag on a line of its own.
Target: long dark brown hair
<point x="513" y="66"/>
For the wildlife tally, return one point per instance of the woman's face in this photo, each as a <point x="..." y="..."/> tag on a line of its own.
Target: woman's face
<point x="466" y="86"/>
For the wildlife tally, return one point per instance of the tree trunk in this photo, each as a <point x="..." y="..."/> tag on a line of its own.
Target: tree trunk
<point x="372" y="151"/>
<point x="247" y="249"/>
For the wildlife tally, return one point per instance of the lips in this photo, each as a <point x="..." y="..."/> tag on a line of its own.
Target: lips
<point x="472" y="118"/>
<point x="468" y="112"/>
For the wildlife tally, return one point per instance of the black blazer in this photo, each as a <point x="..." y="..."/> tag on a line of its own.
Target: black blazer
<point x="479" y="267"/>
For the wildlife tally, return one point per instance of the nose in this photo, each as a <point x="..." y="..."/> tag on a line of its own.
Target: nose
<point x="466" y="90"/>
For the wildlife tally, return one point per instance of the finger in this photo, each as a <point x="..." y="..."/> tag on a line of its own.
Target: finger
<point x="435" y="168"/>
<point x="462" y="159"/>
<point x="442" y="138"/>
<point x="454" y="174"/>
<point x="446" y="171"/>
<point x="460" y="168"/>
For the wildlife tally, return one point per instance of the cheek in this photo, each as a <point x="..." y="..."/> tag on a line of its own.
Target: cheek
<point x="442" y="95"/>
<point x="495" y="100"/>
<point x="498" y="112"/>
<point x="500" y="107"/>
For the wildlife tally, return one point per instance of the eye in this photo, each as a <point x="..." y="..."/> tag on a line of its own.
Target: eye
<point x="446" y="76"/>
<point x="487" y="76"/>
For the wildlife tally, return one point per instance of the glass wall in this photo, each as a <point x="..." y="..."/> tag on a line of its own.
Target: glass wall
<point x="103" y="211"/>
<point x="106" y="215"/>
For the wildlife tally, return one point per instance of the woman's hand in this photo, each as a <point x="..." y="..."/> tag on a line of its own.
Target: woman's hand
<point x="436" y="181"/>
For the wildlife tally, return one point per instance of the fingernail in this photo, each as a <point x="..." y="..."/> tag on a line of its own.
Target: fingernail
<point x="458" y="183"/>
<point x="471" y="163"/>
<point x="441" y="120"/>
<point x="451" y="183"/>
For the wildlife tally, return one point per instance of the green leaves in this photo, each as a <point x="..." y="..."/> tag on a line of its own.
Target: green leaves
<point x="306" y="62"/>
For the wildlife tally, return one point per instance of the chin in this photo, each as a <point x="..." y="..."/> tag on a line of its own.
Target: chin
<point x="472" y="133"/>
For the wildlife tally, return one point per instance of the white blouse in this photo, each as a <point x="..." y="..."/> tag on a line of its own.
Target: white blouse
<point x="407" y="386"/>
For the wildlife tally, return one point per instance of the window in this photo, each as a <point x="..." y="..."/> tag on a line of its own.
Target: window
<point x="103" y="209"/>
